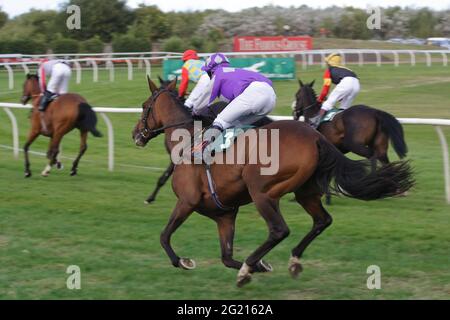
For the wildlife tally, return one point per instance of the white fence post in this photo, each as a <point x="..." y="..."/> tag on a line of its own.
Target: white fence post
<point x="444" y="146"/>
<point x="396" y="58"/>
<point x="110" y="65"/>
<point x="148" y="68"/>
<point x="378" y="56"/>
<point x="130" y="69"/>
<point x="78" y="71"/>
<point x="428" y="56"/>
<point x="26" y="70"/>
<point x="360" y="59"/>
<point x="94" y="70"/>
<point x="413" y="57"/>
<point x="444" y="59"/>
<point x="15" y="132"/>
<point x="10" y="77"/>
<point x="110" y="141"/>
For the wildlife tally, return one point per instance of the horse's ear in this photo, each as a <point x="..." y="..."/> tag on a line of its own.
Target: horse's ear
<point x="151" y="85"/>
<point x="161" y="81"/>
<point x="312" y="83"/>
<point x="172" y="85"/>
<point x="300" y="83"/>
<point x="28" y="76"/>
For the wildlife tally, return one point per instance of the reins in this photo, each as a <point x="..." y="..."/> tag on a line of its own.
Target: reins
<point x="146" y="132"/>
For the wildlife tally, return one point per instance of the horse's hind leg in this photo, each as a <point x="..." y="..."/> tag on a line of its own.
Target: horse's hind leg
<point x="52" y="153"/>
<point x="83" y="148"/>
<point x="278" y="230"/>
<point x="321" y="220"/>
<point x="161" y="182"/>
<point x="31" y="137"/>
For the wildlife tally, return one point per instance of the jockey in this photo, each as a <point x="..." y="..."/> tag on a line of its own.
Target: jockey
<point x="250" y="94"/>
<point x="59" y="72"/>
<point x="347" y="86"/>
<point x="192" y="71"/>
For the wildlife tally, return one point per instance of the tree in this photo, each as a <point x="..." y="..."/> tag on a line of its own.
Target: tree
<point x="422" y="24"/>
<point x="98" y="18"/>
<point x="93" y="45"/>
<point x="150" y="23"/>
<point x="129" y="43"/>
<point x="174" y="44"/>
<point x="3" y="17"/>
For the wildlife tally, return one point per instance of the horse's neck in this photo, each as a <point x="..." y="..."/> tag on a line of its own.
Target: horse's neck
<point x="175" y="114"/>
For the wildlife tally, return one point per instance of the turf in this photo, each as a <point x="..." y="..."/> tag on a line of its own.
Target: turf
<point x="98" y="221"/>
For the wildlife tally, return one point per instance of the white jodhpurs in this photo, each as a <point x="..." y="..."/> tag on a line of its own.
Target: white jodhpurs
<point x="251" y="105"/>
<point x="345" y="92"/>
<point x="59" y="79"/>
<point x="199" y="96"/>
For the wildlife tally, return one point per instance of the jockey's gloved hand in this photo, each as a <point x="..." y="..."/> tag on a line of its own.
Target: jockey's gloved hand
<point x="315" y="121"/>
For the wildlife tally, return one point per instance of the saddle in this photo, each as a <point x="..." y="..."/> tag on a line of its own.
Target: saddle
<point x="329" y="116"/>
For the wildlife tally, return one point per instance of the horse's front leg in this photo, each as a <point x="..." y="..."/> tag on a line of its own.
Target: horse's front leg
<point x="226" y="226"/>
<point x="161" y="182"/>
<point x="181" y="212"/>
<point x="31" y="137"/>
<point x="52" y="153"/>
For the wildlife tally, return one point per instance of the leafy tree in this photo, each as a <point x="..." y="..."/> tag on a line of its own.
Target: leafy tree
<point x="150" y="23"/>
<point x="93" y="45"/>
<point x="3" y="17"/>
<point x="65" y="45"/>
<point x="422" y="24"/>
<point x="98" y="18"/>
<point x="129" y="43"/>
<point x="174" y="44"/>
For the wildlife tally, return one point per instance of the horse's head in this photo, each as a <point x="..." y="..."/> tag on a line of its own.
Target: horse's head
<point x="30" y="88"/>
<point x="151" y="118"/>
<point x="306" y="101"/>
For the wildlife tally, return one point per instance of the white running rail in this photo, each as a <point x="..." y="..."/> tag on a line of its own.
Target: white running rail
<point x="437" y="123"/>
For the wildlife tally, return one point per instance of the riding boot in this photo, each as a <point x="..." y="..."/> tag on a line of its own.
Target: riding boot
<point x="200" y="148"/>
<point x="47" y="97"/>
<point x="45" y="100"/>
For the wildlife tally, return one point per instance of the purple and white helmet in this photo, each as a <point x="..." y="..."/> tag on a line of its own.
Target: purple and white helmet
<point x="214" y="61"/>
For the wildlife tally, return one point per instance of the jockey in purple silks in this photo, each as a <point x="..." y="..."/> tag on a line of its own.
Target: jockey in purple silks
<point x="250" y="94"/>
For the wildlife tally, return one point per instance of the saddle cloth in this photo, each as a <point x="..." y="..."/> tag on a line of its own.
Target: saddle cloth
<point x="329" y="116"/>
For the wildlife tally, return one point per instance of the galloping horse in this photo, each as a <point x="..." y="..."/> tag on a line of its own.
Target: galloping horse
<point x="307" y="163"/>
<point x="359" y="129"/>
<point x="67" y="112"/>
<point x="207" y="120"/>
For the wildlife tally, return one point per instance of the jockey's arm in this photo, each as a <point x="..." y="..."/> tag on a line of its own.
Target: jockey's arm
<point x="326" y="86"/>
<point x="204" y="98"/>
<point x="42" y="76"/>
<point x="184" y="82"/>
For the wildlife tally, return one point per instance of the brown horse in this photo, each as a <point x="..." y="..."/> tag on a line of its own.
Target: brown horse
<point x="359" y="129"/>
<point x="213" y="111"/>
<point x="62" y="115"/>
<point x="307" y="162"/>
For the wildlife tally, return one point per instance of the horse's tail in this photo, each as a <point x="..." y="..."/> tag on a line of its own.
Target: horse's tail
<point x="356" y="179"/>
<point x="394" y="130"/>
<point x="87" y="119"/>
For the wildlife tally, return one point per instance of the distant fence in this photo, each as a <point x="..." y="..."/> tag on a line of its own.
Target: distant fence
<point x="437" y="123"/>
<point x="360" y="57"/>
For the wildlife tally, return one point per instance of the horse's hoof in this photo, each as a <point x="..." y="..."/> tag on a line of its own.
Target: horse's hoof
<point x="73" y="173"/>
<point x="186" y="264"/>
<point x="295" y="267"/>
<point x="27" y="174"/>
<point x="44" y="174"/>
<point x="149" y="200"/>
<point x="59" y="166"/>
<point x="263" y="266"/>
<point x="242" y="280"/>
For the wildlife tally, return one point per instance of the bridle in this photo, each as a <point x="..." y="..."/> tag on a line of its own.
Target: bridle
<point x="147" y="133"/>
<point x="314" y="104"/>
